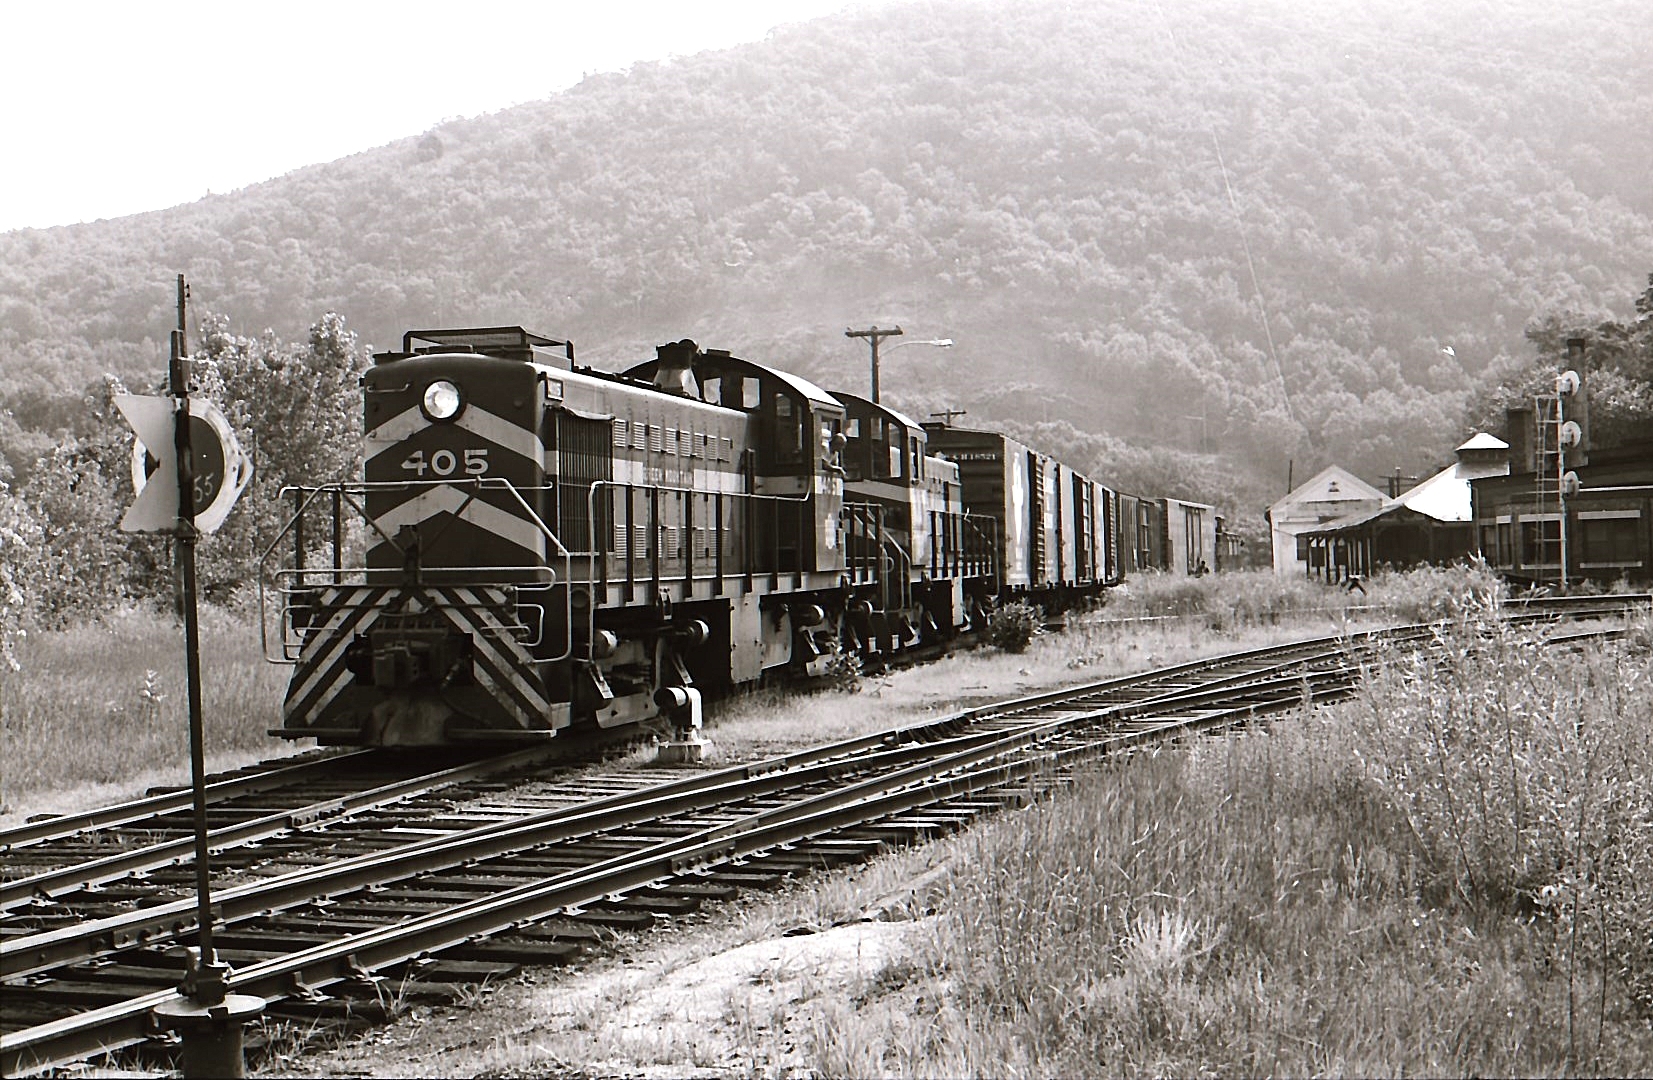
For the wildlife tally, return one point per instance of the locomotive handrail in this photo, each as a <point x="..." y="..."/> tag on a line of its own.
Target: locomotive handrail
<point x="346" y="492"/>
<point x="292" y="584"/>
<point x="894" y="587"/>
<point x="345" y="487"/>
<point x="866" y="516"/>
<point x="994" y="552"/>
<point x="600" y="555"/>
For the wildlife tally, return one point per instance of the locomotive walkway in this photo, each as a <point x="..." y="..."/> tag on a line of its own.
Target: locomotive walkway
<point x="529" y="875"/>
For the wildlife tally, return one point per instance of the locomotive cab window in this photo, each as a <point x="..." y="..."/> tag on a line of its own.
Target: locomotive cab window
<point x="789" y="421"/>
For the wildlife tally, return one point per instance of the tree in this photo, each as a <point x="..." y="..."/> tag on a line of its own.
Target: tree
<point x="296" y="410"/>
<point x="1618" y="370"/>
<point x="75" y="496"/>
<point x="21" y="534"/>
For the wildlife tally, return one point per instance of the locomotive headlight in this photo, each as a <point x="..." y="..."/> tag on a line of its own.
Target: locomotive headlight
<point x="442" y="400"/>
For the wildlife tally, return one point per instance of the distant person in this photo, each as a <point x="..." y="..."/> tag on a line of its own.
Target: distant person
<point x="1355" y="583"/>
<point x="1201" y="570"/>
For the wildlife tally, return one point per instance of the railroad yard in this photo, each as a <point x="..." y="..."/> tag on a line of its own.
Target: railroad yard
<point x="629" y="919"/>
<point x="926" y="538"/>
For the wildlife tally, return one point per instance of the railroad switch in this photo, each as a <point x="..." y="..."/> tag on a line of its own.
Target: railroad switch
<point x="209" y="1019"/>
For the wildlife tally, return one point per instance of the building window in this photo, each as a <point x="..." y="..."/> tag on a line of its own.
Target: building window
<point x="1609" y="541"/>
<point x="1541" y="541"/>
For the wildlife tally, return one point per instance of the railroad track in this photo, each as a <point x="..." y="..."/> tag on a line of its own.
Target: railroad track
<point x="533" y="876"/>
<point x="62" y="867"/>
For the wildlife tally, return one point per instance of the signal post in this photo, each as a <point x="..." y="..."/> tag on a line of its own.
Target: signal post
<point x="198" y="472"/>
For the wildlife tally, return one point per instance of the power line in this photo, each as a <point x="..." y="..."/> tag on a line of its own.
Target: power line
<point x="1245" y="245"/>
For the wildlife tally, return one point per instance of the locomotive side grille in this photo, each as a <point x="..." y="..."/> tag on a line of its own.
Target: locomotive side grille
<point x="585" y="455"/>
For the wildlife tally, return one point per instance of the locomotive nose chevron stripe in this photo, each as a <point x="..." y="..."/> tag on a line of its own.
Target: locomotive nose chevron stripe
<point x="501" y="523"/>
<point x="502" y="665"/>
<point x="480" y="422"/>
<point x="321" y="673"/>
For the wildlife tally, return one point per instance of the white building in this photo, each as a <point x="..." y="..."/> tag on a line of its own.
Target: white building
<point x="1331" y="493"/>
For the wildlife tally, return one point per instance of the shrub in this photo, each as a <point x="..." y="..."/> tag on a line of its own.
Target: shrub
<point x="1526" y="773"/>
<point x="1012" y="626"/>
<point x="1427" y="593"/>
<point x="843" y="668"/>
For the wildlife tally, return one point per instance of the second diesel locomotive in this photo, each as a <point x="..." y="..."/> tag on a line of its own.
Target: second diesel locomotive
<point x="550" y="546"/>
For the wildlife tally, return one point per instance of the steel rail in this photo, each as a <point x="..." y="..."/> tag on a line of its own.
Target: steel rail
<point x="30" y="954"/>
<point x="973" y="762"/>
<point x="924" y="783"/>
<point x="1609" y="602"/>
<point x="59" y="827"/>
<point x="53" y="883"/>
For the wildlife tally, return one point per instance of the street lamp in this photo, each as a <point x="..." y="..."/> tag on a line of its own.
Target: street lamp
<point x="875" y="335"/>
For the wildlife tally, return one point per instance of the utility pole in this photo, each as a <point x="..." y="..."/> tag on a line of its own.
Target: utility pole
<point x="947" y="416"/>
<point x="874" y="336"/>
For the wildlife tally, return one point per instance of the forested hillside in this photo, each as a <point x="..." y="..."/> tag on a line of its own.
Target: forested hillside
<point x="1274" y="232"/>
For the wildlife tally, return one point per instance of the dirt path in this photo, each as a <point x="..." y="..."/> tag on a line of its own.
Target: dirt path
<point x="680" y="1008"/>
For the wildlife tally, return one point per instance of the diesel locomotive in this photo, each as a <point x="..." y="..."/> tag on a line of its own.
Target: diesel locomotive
<point x="548" y="546"/>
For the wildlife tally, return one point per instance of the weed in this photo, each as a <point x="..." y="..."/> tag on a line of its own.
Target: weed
<point x="96" y="707"/>
<point x="1011" y="627"/>
<point x="1438" y="879"/>
<point x="1525" y="774"/>
<point x="843" y="668"/>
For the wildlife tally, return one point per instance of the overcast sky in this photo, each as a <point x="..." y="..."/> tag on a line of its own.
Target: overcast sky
<point x="113" y="108"/>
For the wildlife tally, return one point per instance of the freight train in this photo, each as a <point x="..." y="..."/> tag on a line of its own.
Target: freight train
<point x="552" y="547"/>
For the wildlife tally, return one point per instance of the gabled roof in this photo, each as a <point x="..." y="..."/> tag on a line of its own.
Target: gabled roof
<point x="1482" y="441"/>
<point x="1444" y="497"/>
<point x="1334" y="483"/>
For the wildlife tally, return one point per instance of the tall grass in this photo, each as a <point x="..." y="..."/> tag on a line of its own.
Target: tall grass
<point x="102" y="709"/>
<point x="1450" y="876"/>
<point x="1249" y="598"/>
<point x="1525" y="775"/>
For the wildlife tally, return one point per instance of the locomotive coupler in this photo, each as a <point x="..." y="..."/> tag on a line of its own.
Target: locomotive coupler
<point x="209" y="1019"/>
